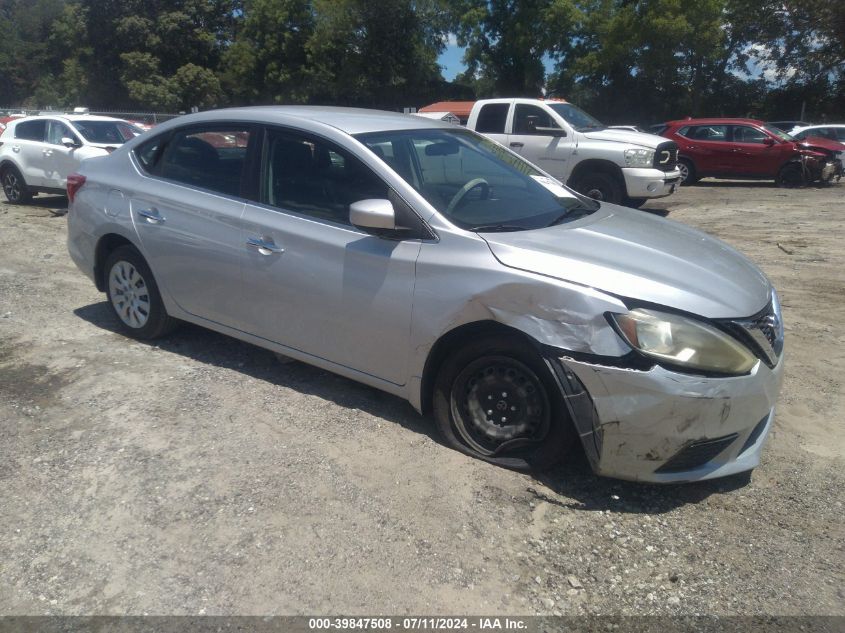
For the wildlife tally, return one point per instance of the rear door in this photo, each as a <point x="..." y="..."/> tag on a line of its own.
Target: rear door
<point x="187" y="213"/>
<point x="550" y="153"/>
<point x="29" y="148"/>
<point x="492" y="121"/>
<point x="710" y="148"/>
<point x="311" y="280"/>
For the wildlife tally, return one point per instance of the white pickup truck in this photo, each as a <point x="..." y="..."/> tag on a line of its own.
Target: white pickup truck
<point x="614" y="165"/>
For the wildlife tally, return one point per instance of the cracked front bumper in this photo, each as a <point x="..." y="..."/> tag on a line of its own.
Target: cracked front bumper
<point x="663" y="426"/>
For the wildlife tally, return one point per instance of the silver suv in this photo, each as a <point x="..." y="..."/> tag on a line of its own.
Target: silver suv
<point x="435" y="264"/>
<point x="38" y="153"/>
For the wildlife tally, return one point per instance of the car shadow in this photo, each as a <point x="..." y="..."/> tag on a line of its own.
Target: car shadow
<point x="56" y="205"/>
<point x="574" y="480"/>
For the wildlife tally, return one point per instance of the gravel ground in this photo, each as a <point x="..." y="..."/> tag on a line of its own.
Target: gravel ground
<point x="201" y="476"/>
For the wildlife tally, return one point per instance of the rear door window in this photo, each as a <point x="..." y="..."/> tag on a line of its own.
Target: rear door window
<point x="31" y="130"/>
<point x="492" y="118"/>
<point x="714" y="133"/>
<point x="211" y="158"/>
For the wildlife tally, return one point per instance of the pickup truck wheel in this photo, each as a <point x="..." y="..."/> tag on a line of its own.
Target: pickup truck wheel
<point x="600" y="186"/>
<point x="688" y="174"/>
<point x="133" y="295"/>
<point x="494" y="399"/>
<point x="14" y="186"/>
<point x="635" y="203"/>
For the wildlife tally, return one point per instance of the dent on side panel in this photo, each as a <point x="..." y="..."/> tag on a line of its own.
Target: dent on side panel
<point x="461" y="283"/>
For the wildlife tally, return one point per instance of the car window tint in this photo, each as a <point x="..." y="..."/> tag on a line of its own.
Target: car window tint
<point x="56" y="131"/>
<point x="492" y="117"/>
<point x="709" y="132"/>
<point x="31" y="130"/>
<point x="312" y="177"/>
<point x="684" y="131"/>
<point x="747" y="134"/>
<point x="208" y="158"/>
<point x="528" y="117"/>
<point x="149" y="153"/>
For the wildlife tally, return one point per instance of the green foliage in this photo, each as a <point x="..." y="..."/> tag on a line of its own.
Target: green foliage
<point x="632" y="61"/>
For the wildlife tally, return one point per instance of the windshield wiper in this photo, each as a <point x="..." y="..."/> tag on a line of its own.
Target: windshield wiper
<point x="497" y="228"/>
<point x="576" y="210"/>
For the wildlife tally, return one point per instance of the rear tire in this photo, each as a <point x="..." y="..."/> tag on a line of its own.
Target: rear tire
<point x="14" y="186"/>
<point x="133" y="295"/>
<point x="600" y="186"/>
<point x="689" y="176"/>
<point x="506" y="375"/>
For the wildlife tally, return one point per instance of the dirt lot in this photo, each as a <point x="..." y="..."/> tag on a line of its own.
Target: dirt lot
<point x="200" y="475"/>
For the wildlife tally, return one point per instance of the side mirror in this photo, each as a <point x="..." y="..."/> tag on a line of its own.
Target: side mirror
<point x="69" y="142"/>
<point x="550" y="131"/>
<point x="373" y="215"/>
<point x="769" y="141"/>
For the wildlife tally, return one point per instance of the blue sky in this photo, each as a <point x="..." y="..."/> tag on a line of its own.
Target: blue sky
<point x="452" y="65"/>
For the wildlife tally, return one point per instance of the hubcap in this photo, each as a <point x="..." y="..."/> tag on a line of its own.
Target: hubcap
<point x="12" y="186"/>
<point x="129" y="295"/>
<point x="497" y="403"/>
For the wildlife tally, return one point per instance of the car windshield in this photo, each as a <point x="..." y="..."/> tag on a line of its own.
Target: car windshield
<point x="576" y="117"/>
<point x="111" y="132"/>
<point x="771" y="129"/>
<point x="473" y="181"/>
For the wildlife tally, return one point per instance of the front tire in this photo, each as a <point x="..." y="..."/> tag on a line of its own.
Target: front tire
<point x="689" y="175"/>
<point x="15" y="187"/>
<point x="600" y="186"/>
<point x="133" y="295"/>
<point x="495" y="399"/>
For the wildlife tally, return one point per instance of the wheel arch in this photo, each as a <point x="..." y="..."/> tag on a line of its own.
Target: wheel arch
<point x="452" y="340"/>
<point x="105" y="246"/>
<point x="593" y="165"/>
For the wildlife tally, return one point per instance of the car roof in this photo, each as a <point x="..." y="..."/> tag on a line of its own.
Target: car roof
<point x="715" y="121"/>
<point x="348" y="120"/>
<point x="67" y="117"/>
<point x="817" y="125"/>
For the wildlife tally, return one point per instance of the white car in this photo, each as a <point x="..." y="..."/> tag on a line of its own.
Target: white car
<point x="831" y="131"/>
<point x="38" y="153"/>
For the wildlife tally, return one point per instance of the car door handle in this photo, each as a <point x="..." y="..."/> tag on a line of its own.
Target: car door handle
<point x="16" y="148"/>
<point x="151" y="215"/>
<point x="264" y="247"/>
<point x="517" y="145"/>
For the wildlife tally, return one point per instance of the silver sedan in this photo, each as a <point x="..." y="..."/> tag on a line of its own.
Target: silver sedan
<point x="435" y="264"/>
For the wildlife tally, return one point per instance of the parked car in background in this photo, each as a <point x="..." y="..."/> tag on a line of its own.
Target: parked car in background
<point x="430" y="262"/>
<point x="788" y="126"/>
<point x="830" y="131"/>
<point x="613" y="165"/>
<point x="629" y="128"/>
<point x="38" y="153"/>
<point x="750" y="149"/>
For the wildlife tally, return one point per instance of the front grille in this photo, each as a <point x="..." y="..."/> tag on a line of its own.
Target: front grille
<point x="763" y="333"/>
<point x="666" y="156"/>
<point x="697" y="454"/>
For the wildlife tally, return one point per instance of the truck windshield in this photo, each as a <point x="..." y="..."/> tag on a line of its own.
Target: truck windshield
<point x="473" y="181"/>
<point x="576" y="117"/>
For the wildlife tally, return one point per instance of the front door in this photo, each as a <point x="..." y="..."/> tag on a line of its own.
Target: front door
<point x="187" y="217"/>
<point x="59" y="161"/>
<point x="312" y="281"/>
<point x="755" y="153"/>
<point x="550" y="153"/>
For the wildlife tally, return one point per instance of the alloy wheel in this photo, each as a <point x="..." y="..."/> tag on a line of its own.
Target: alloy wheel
<point x="682" y="167"/>
<point x="12" y="186"/>
<point x="129" y="294"/>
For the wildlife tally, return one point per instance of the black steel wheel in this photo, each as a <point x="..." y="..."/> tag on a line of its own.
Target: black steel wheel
<point x="600" y="186"/>
<point x="14" y="186"/>
<point x="495" y="399"/>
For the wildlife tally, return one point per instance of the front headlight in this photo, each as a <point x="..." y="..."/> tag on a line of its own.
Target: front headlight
<point x="639" y="157"/>
<point x="684" y="342"/>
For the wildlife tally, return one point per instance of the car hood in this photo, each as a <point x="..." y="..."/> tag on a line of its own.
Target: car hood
<point x="634" y="255"/>
<point x="824" y="143"/>
<point x="626" y="136"/>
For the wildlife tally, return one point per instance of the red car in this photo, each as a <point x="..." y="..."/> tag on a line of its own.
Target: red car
<point x="751" y="149"/>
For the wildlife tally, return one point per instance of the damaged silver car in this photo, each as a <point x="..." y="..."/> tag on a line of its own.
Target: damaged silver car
<point x="435" y="264"/>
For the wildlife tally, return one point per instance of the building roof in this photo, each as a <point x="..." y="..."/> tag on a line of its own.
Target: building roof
<point x="460" y="109"/>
